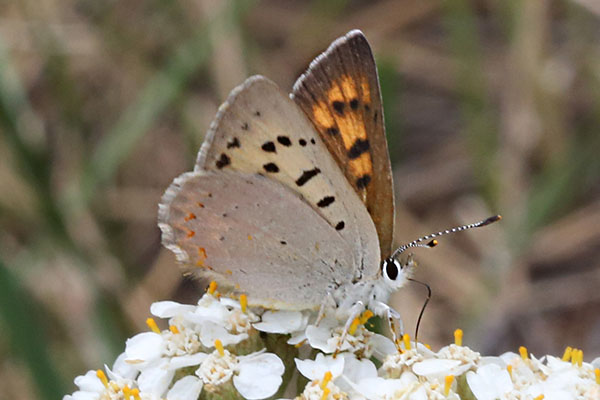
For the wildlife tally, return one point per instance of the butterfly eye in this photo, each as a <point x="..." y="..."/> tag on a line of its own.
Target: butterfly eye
<point x="391" y="268"/>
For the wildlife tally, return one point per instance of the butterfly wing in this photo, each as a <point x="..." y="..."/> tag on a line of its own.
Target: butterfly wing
<point x="259" y="131"/>
<point x="249" y="232"/>
<point x="340" y="94"/>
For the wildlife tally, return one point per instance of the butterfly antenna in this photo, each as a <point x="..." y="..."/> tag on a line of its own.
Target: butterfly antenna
<point x="431" y="237"/>
<point x="422" y="308"/>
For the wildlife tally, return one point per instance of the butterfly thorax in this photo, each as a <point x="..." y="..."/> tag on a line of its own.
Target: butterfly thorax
<point x="374" y="293"/>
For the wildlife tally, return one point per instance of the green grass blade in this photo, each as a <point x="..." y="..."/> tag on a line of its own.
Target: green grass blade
<point x="26" y="335"/>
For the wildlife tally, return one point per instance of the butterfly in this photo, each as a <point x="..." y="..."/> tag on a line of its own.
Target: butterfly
<point x="291" y="199"/>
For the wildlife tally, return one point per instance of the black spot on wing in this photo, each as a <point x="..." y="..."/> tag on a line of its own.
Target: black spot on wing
<point x="333" y="131"/>
<point x="354" y="103"/>
<point x="257" y="113"/>
<point x="325" y="201"/>
<point x="245" y="126"/>
<point x="338" y="106"/>
<point x="340" y="225"/>
<point x="359" y="147"/>
<point x="307" y="176"/>
<point x="284" y="140"/>
<point x="269" y="147"/>
<point x="223" y="161"/>
<point x="312" y="141"/>
<point x="363" y="181"/>
<point x="271" y="167"/>
<point x="302" y="142"/>
<point x="233" y="143"/>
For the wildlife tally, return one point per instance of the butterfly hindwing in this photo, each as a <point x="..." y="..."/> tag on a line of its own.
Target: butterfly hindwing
<point x="242" y="230"/>
<point x="340" y="94"/>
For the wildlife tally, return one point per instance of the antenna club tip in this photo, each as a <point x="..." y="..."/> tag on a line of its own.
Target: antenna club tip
<point x="491" y="220"/>
<point x="433" y="243"/>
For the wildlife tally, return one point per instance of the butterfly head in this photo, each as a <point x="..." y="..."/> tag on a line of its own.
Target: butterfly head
<point x="395" y="273"/>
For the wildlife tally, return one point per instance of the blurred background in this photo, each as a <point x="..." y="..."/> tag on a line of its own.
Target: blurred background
<point x="491" y="107"/>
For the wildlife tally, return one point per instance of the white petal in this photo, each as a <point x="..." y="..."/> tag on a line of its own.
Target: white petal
<point x="358" y="369"/>
<point x="187" y="388"/>
<point x="557" y="364"/>
<point x="81" y="395"/>
<point x="486" y="360"/>
<point x="434" y="367"/>
<point x="374" y="388"/>
<point x="419" y="394"/>
<point x="509" y="357"/>
<point x="461" y="369"/>
<point x="144" y="348"/>
<point x="209" y="332"/>
<point x="169" y="309"/>
<point x="256" y="387"/>
<point x="187" y="360"/>
<point x="156" y="379"/>
<point x="262" y="363"/>
<point x="259" y="375"/>
<point x="111" y="375"/>
<point x="315" y="369"/>
<point x="226" y="301"/>
<point x="382" y="346"/>
<point x="122" y="368"/>
<point x="89" y="382"/>
<point x="281" y="321"/>
<point x="318" y="338"/>
<point x="297" y="338"/>
<point x="490" y="382"/>
<point x="355" y="370"/>
<point x="210" y="310"/>
<point x="596" y="362"/>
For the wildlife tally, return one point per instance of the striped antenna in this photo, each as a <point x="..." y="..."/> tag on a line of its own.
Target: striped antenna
<point x="431" y="237"/>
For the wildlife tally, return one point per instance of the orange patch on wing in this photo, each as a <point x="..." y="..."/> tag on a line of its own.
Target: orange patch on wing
<point x="228" y="272"/>
<point x="249" y="237"/>
<point x="190" y="233"/>
<point x="189" y="217"/>
<point x="348" y="88"/>
<point x="335" y="93"/>
<point x="200" y="205"/>
<point x="349" y="122"/>
<point x="322" y="116"/>
<point x="362" y="165"/>
<point x="366" y="90"/>
<point x="201" y="258"/>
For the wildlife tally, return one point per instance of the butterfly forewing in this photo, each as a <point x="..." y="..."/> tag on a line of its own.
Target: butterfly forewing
<point x="242" y="230"/>
<point x="261" y="133"/>
<point x="340" y="94"/>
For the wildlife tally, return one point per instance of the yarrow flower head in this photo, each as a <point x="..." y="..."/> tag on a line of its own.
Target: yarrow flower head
<point x="219" y="348"/>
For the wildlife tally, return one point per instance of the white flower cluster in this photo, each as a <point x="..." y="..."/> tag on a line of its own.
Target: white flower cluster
<point x="188" y="358"/>
<point x="189" y="361"/>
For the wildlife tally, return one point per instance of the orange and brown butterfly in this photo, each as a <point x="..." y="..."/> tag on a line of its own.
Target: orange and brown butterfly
<point x="341" y="96"/>
<point x="293" y="192"/>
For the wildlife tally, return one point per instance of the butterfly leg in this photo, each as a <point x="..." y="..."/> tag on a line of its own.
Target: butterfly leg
<point x="392" y="316"/>
<point x="354" y="313"/>
<point x="327" y="301"/>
